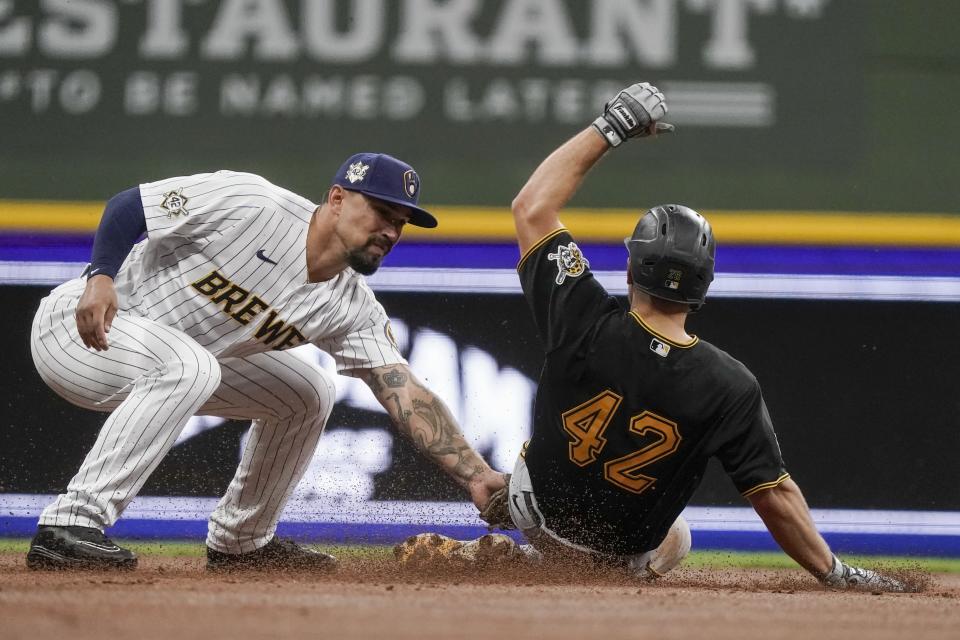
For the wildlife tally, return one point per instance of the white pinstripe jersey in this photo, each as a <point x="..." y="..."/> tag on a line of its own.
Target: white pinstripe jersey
<point x="225" y="262"/>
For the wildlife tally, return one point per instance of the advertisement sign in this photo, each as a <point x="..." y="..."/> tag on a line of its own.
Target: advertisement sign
<point x="151" y="88"/>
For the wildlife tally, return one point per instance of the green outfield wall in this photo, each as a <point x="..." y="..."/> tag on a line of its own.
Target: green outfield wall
<point x="809" y="105"/>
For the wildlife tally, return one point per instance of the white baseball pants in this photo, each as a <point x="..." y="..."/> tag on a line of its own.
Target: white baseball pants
<point x="152" y="379"/>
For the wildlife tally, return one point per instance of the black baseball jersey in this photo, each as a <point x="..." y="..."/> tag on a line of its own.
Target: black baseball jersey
<point x="626" y="419"/>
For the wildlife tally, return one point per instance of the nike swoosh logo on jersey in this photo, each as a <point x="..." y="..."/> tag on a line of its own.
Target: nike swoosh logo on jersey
<point x="263" y="256"/>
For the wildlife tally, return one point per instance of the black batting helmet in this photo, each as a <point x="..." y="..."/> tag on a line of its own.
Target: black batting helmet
<point x="672" y="254"/>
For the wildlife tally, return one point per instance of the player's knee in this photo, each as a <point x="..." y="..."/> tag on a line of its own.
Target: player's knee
<point x="202" y="372"/>
<point x="318" y="396"/>
<point x="209" y="371"/>
<point x="327" y="393"/>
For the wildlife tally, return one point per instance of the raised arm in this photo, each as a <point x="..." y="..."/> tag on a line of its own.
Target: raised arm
<point x="536" y="209"/>
<point x="423" y="417"/>
<point x="786" y="515"/>
<point x="634" y="112"/>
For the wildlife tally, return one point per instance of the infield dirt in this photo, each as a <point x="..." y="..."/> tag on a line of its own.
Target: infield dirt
<point x="176" y="599"/>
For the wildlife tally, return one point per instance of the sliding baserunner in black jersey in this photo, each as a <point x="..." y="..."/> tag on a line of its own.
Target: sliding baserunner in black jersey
<point x="630" y="407"/>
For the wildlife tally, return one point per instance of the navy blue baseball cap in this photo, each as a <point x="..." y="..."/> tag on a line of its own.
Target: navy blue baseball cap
<point x="385" y="178"/>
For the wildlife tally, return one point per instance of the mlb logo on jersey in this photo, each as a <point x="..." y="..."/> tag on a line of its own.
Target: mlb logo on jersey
<point x="662" y="349"/>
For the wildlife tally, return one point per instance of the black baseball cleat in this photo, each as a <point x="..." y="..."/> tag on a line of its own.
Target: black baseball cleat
<point x="279" y="553"/>
<point x="76" y="548"/>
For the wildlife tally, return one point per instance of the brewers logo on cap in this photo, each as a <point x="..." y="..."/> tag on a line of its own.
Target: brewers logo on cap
<point x="381" y="176"/>
<point x="411" y="182"/>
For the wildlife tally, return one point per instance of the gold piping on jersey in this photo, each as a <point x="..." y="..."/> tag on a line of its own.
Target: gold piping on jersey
<point x="766" y="485"/>
<point x="539" y="243"/>
<point x="693" y="340"/>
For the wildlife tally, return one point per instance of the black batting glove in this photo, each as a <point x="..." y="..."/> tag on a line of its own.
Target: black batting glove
<point x="634" y="113"/>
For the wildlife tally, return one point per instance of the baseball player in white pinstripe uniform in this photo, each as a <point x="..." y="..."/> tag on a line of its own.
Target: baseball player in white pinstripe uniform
<point x="196" y="318"/>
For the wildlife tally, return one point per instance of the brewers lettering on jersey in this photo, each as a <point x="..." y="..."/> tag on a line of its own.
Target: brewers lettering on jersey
<point x="199" y="319"/>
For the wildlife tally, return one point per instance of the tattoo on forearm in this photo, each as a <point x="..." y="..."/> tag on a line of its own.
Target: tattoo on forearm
<point x="428" y="423"/>
<point x="400" y="415"/>
<point x="394" y="378"/>
<point x="444" y="439"/>
<point x="373" y="381"/>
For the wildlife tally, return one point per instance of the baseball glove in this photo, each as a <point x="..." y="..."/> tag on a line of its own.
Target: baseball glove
<point x="497" y="512"/>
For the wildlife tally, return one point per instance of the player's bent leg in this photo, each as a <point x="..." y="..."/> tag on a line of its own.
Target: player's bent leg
<point x="522" y="502"/>
<point x="289" y="400"/>
<point x="526" y="515"/>
<point x="84" y="377"/>
<point x="154" y="377"/>
<point x="669" y="554"/>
